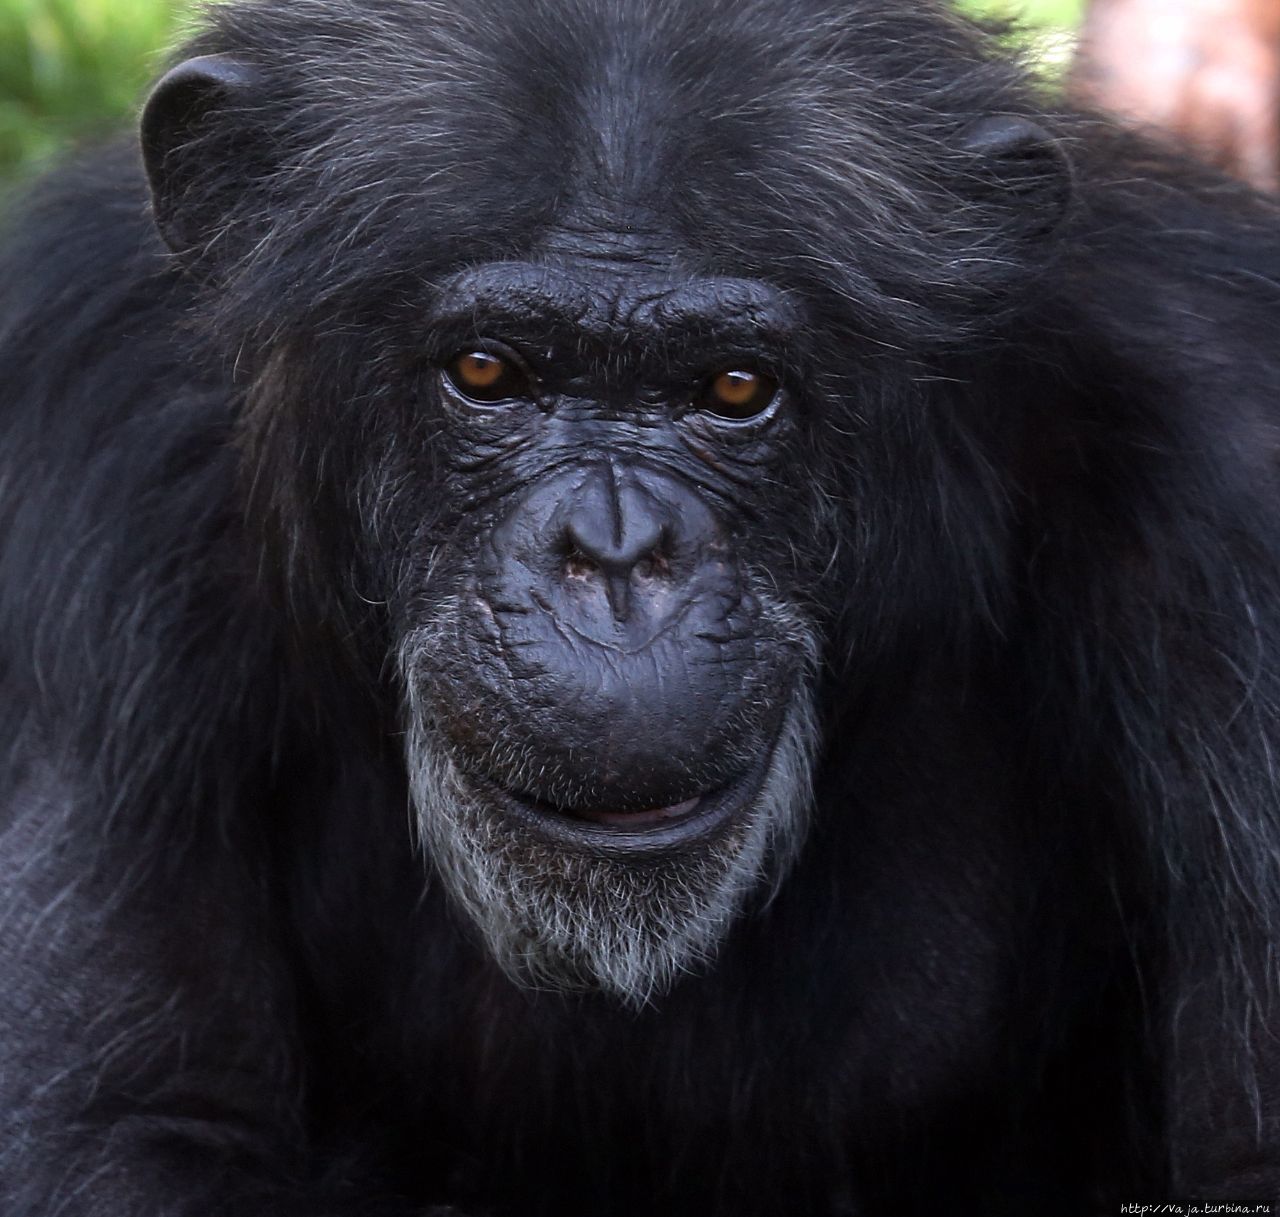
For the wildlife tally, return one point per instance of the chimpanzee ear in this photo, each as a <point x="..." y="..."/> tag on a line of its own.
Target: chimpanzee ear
<point x="1027" y="162"/>
<point x="197" y="148"/>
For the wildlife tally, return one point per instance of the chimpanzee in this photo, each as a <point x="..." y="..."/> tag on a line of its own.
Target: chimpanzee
<point x="614" y="607"/>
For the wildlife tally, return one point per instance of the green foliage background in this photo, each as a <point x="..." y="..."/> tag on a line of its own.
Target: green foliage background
<point x="71" y="68"/>
<point x="1054" y="14"/>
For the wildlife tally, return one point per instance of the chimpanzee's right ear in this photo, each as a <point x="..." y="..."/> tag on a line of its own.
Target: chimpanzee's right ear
<point x="200" y="148"/>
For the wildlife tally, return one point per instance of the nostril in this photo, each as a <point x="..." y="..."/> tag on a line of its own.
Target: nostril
<point x="578" y="566"/>
<point x="575" y="562"/>
<point x="654" y="566"/>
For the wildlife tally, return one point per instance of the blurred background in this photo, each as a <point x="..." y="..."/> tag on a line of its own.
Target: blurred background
<point x="70" y="68"/>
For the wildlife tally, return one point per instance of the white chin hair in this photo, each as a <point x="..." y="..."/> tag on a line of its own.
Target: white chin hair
<point x="555" y="918"/>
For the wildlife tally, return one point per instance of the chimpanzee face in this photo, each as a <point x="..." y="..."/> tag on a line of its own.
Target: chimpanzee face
<point x="609" y="721"/>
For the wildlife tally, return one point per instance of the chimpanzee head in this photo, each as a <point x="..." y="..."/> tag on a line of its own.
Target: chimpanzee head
<point x="582" y="375"/>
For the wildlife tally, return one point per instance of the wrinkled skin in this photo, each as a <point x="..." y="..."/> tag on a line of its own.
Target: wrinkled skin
<point x="604" y="569"/>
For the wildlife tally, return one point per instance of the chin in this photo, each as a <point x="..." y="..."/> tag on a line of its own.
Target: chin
<point x="595" y="898"/>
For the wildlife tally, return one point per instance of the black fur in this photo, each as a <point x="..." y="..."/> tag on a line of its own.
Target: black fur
<point x="1025" y="962"/>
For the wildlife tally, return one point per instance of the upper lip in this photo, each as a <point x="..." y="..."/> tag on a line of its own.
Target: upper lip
<point x="632" y="647"/>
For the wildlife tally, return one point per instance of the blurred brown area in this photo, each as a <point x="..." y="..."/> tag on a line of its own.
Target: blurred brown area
<point x="1206" y="71"/>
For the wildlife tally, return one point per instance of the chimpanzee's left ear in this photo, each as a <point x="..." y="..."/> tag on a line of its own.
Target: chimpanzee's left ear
<point x="1026" y="162"/>
<point x="200" y="147"/>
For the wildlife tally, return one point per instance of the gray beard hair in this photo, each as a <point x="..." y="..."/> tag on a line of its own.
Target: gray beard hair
<point x="567" y="920"/>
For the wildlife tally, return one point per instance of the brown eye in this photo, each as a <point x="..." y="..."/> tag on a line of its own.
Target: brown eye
<point x="738" y="395"/>
<point x="485" y="377"/>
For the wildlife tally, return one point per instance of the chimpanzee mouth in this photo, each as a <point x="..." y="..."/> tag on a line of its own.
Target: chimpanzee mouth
<point x="643" y="830"/>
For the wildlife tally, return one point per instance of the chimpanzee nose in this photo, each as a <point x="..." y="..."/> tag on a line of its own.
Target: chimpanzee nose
<point x="617" y="530"/>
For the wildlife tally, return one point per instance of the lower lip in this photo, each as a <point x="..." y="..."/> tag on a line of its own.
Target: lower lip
<point x="641" y="833"/>
<point x="641" y="819"/>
